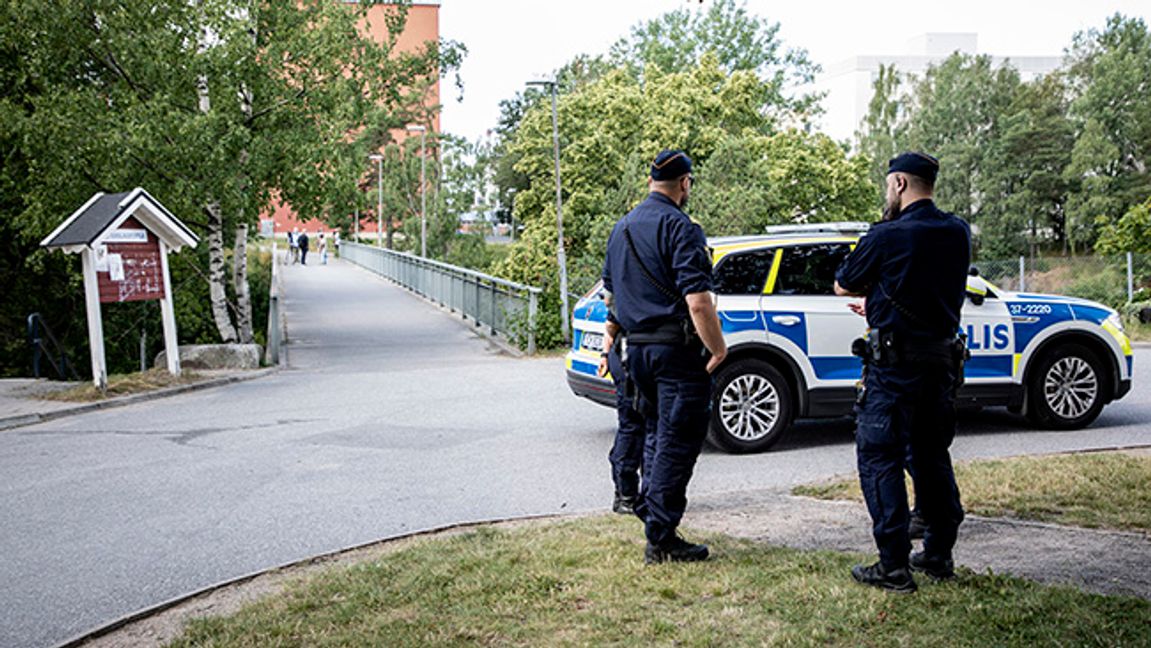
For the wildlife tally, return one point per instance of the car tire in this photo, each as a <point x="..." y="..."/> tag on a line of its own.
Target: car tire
<point x="1067" y="389"/>
<point x="751" y="407"/>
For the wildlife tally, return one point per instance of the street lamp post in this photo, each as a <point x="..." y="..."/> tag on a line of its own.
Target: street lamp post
<point x="379" y="198"/>
<point x="414" y="128"/>
<point x="562" y="257"/>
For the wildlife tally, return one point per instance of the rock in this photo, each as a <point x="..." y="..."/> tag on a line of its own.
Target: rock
<point x="215" y="356"/>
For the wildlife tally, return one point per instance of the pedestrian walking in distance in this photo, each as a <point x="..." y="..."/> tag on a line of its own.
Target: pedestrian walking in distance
<point x="302" y="242"/>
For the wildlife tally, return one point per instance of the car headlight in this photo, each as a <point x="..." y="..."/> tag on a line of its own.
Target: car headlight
<point x="1117" y="322"/>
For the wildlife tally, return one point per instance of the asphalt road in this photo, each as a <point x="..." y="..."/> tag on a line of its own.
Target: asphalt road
<point x="393" y="417"/>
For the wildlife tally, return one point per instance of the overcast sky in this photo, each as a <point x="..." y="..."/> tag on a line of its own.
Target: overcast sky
<point x="513" y="41"/>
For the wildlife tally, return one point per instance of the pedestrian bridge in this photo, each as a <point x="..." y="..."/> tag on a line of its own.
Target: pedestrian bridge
<point x="504" y="308"/>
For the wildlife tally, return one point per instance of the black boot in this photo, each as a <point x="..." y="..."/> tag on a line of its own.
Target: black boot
<point x="937" y="568"/>
<point x="675" y="550"/>
<point x="916" y="526"/>
<point x="624" y="504"/>
<point x="896" y="580"/>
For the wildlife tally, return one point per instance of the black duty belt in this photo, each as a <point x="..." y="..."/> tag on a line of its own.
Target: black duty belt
<point x="928" y="346"/>
<point x="674" y="332"/>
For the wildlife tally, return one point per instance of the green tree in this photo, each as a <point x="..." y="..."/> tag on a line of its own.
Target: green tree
<point x="1110" y="70"/>
<point x="752" y="181"/>
<point x="676" y="42"/>
<point x="1131" y="233"/>
<point x="1093" y="175"/>
<point x="879" y="135"/>
<point x="954" y="114"/>
<point x="1022" y="183"/>
<point x="214" y="106"/>
<point x="613" y="127"/>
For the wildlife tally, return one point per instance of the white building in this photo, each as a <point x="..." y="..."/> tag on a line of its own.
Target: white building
<point x="849" y="84"/>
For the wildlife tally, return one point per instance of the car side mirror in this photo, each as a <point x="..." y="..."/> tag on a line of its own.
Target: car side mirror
<point x="976" y="288"/>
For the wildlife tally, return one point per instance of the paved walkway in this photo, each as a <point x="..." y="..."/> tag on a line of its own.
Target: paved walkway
<point x="1106" y="562"/>
<point x="19" y="399"/>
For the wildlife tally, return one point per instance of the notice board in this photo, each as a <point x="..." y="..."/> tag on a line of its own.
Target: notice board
<point x="128" y="265"/>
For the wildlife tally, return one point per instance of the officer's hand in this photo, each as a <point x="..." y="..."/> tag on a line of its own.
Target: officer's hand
<point x="716" y="360"/>
<point x="859" y="307"/>
<point x="601" y="371"/>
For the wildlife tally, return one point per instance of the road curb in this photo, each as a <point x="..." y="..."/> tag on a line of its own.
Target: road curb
<point x="140" y="615"/>
<point x="10" y="422"/>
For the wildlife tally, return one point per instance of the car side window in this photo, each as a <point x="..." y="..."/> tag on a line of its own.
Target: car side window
<point x="810" y="269"/>
<point x="743" y="273"/>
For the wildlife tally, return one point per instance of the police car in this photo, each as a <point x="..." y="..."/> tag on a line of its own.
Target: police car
<point x="1058" y="359"/>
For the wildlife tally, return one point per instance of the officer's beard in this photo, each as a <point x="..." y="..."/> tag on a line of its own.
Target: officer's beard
<point x="892" y="207"/>
<point x="683" y="201"/>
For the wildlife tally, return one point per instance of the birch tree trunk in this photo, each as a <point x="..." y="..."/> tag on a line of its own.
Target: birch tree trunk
<point x="216" y="276"/>
<point x="240" y="282"/>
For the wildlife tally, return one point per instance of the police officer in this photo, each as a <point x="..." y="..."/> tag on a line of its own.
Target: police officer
<point x="657" y="274"/>
<point x="626" y="456"/>
<point x="913" y="270"/>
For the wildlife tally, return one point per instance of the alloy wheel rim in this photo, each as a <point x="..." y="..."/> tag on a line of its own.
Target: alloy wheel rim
<point x="749" y="407"/>
<point x="1071" y="387"/>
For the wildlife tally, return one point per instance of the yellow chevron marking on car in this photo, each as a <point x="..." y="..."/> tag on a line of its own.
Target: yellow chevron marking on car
<point x="1015" y="364"/>
<point x="1120" y="337"/>
<point x="769" y="287"/>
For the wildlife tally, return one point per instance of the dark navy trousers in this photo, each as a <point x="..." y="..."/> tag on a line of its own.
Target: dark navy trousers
<point x="907" y="420"/>
<point x="673" y="380"/>
<point x="626" y="454"/>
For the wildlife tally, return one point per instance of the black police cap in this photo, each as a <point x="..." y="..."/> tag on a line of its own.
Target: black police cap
<point x="669" y="165"/>
<point x="915" y="163"/>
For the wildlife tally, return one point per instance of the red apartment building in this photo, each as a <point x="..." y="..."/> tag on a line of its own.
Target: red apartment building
<point x="423" y="25"/>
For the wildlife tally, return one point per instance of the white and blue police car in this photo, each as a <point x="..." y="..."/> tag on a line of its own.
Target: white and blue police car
<point x="1057" y="359"/>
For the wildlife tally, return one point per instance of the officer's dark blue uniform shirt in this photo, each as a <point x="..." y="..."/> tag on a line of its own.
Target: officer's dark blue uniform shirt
<point x="913" y="271"/>
<point x="673" y="249"/>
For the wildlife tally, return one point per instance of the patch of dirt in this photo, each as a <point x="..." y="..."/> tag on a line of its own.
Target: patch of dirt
<point x="1105" y="562"/>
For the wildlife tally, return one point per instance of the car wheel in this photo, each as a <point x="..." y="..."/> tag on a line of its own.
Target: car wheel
<point x="1066" y="390"/>
<point x="751" y="407"/>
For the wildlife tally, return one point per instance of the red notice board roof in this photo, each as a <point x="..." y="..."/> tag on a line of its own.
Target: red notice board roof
<point x="103" y="214"/>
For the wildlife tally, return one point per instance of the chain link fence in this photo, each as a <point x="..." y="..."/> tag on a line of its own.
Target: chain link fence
<point x="1110" y="279"/>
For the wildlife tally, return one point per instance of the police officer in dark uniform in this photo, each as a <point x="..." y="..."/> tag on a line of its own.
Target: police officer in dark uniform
<point x="626" y="456"/>
<point x="912" y="267"/>
<point x="657" y="274"/>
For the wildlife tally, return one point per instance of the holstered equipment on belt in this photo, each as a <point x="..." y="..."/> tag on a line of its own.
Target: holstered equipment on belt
<point x="887" y="349"/>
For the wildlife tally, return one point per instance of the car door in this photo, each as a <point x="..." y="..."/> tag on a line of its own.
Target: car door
<point x="740" y="278"/>
<point x="803" y="313"/>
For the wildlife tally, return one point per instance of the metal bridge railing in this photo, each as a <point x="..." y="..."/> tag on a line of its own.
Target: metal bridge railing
<point x="504" y="308"/>
<point x="46" y="348"/>
<point x="275" y="337"/>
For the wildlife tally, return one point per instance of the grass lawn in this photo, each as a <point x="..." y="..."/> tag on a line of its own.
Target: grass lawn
<point x="583" y="583"/>
<point x="1095" y="490"/>
<point x="124" y="384"/>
